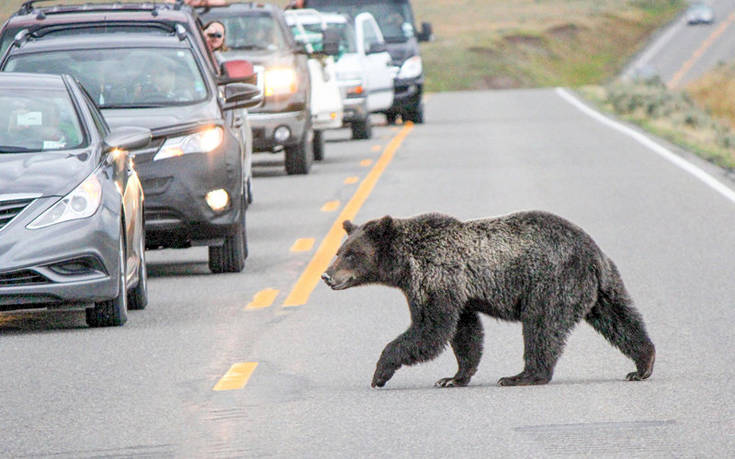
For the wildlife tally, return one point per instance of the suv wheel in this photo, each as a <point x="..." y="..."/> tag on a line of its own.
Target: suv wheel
<point x="318" y="145"/>
<point x="300" y="156"/>
<point x="230" y="256"/>
<point x="362" y="129"/>
<point x="138" y="296"/>
<point x="113" y="312"/>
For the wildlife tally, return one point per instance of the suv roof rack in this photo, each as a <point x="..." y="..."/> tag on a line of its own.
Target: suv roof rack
<point x="144" y="5"/>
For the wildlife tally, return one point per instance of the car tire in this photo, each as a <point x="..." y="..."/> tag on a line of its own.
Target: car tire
<point x="230" y="256"/>
<point x="300" y="156"/>
<point x="415" y="114"/>
<point x="318" y="145"/>
<point x="362" y="130"/>
<point x="249" y="189"/>
<point x="138" y="296"/>
<point x="113" y="312"/>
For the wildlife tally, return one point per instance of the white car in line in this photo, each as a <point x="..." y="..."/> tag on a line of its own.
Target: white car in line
<point x="364" y="70"/>
<point x="309" y="29"/>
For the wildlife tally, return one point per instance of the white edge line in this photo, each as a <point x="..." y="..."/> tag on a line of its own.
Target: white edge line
<point x="651" y="145"/>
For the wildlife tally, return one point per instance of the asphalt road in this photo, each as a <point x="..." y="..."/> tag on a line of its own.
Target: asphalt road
<point x="681" y="53"/>
<point x="147" y="389"/>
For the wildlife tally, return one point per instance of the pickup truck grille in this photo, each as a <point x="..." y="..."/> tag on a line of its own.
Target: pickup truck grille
<point x="10" y="208"/>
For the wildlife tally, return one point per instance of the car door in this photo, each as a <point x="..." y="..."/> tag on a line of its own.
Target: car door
<point x="379" y="72"/>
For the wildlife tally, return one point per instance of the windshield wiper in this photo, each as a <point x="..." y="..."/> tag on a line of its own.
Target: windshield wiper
<point x="15" y="149"/>
<point x="133" y="106"/>
<point x="249" y="47"/>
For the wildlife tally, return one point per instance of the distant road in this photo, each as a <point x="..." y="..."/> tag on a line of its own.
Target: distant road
<point x="681" y="53"/>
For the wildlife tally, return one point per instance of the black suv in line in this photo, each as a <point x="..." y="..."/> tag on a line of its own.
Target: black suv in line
<point x="145" y="72"/>
<point x="258" y="33"/>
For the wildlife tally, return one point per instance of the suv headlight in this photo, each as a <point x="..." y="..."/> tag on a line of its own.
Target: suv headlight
<point x="82" y="202"/>
<point x="280" y="81"/>
<point x="412" y="68"/>
<point x="199" y="142"/>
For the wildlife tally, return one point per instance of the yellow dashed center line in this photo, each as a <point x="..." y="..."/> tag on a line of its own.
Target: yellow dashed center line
<point x="303" y="245"/>
<point x="310" y="277"/>
<point x="351" y="180"/>
<point x="263" y="299"/>
<point x="330" y="206"/>
<point x="236" y="377"/>
<point x="366" y="162"/>
<point x="700" y="51"/>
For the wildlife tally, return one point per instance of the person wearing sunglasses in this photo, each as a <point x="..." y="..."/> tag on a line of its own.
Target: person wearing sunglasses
<point x="215" y="33"/>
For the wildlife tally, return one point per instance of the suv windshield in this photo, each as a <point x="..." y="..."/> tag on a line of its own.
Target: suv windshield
<point x="253" y="31"/>
<point x="394" y="17"/>
<point x="38" y="120"/>
<point x="123" y="77"/>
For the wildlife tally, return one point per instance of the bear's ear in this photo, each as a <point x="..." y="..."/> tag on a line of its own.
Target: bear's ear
<point x="383" y="228"/>
<point x="348" y="226"/>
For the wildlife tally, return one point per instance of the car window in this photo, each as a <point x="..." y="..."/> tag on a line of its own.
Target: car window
<point x="370" y="34"/>
<point x="34" y="120"/>
<point x="253" y="31"/>
<point x="124" y="77"/>
<point x="99" y="121"/>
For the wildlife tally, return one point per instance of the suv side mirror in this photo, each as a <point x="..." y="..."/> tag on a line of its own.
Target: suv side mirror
<point x="237" y="71"/>
<point x="127" y="138"/>
<point x="377" y="47"/>
<point x="427" y="32"/>
<point x="241" y="95"/>
<point x="330" y="41"/>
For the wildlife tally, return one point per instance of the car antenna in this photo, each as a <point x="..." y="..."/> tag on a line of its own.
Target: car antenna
<point x="27" y="6"/>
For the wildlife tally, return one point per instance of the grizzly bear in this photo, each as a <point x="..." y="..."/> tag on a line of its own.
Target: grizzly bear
<point x="531" y="267"/>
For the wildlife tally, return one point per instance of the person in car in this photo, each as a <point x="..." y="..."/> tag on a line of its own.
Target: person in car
<point x="215" y="32"/>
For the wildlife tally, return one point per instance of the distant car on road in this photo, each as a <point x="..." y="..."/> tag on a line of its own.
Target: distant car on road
<point x="71" y="203"/>
<point x="196" y="172"/>
<point x="700" y="13"/>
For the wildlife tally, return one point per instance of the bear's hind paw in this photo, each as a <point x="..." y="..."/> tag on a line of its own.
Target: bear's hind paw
<point x="451" y="382"/>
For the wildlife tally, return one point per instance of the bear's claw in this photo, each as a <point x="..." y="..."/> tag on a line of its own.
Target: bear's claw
<point x="450" y="382"/>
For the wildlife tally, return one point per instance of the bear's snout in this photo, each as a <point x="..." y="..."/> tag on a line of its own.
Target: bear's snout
<point x="327" y="279"/>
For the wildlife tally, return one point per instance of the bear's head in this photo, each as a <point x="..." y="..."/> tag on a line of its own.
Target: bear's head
<point x="365" y="257"/>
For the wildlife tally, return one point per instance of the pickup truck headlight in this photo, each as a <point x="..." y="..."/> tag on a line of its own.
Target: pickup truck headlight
<point x="82" y="202"/>
<point x="280" y="81"/>
<point x="199" y="142"/>
<point x="412" y="68"/>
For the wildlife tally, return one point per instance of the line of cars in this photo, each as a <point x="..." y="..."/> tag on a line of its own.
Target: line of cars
<point x="121" y="131"/>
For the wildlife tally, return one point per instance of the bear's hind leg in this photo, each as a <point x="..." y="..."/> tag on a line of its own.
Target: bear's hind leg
<point x="620" y="323"/>
<point x="467" y="346"/>
<point x="543" y="344"/>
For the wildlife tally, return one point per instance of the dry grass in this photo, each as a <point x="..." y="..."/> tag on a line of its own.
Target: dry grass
<point x="499" y="43"/>
<point x="715" y="91"/>
<point x="672" y="115"/>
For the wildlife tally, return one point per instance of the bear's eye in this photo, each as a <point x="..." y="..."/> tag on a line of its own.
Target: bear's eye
<point x="349" y="256"/>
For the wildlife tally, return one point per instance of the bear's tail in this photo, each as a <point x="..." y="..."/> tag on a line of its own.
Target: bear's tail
<point x="615" y="318"/>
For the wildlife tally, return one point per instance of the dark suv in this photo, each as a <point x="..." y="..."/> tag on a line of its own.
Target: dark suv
<point x="259" y="33"/>
<point x="152" y="74"/>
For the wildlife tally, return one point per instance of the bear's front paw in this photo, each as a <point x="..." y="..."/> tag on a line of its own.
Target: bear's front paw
<point x="382" y="375"/>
